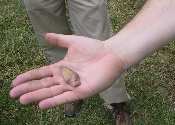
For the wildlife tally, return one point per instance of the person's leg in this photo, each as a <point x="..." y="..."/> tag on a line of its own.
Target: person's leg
<point x="90" y="18"/>
<point x="48" y="16"/>
<point x="117" y="93"/>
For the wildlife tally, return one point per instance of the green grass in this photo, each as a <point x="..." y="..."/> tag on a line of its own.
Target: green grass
<point x="151" y="84"/>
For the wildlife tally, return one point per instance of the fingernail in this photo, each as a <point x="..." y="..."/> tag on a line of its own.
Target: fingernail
<point x="23" y="100"/>
<point x="12" y="94"/>
<point x="43" y="34"/>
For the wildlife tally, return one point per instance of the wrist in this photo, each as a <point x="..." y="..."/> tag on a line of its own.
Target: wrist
<point x="117" y="52"/>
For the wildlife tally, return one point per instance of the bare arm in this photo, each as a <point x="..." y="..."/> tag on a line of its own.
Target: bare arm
<point x="153" y="27"/>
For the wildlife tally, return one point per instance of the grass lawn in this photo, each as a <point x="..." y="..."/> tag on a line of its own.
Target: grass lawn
<point x="151" y="84"/>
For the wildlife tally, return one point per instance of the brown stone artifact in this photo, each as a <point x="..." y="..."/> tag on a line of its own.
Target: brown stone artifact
<point x="71" y="77"/>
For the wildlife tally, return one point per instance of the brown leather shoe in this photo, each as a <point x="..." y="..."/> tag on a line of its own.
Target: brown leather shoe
<point x="121" y="114"/>
<point x="72" y="109"/>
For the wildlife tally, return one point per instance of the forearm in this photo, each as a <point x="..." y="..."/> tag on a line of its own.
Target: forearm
<point x="152" y="28"/>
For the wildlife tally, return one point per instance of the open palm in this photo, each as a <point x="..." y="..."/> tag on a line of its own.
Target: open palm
<point x="96" y="66"/>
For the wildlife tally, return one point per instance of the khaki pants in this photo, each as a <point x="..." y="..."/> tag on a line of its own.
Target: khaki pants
<point x="88" y="18"/>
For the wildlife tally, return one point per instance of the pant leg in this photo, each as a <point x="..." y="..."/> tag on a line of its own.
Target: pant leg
<point x="90" y="18"/>
<point x="48" y="16"/>
<point x="117" y="93"/>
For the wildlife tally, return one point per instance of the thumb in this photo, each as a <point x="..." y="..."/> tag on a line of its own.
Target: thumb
<point x="60" y="40"/>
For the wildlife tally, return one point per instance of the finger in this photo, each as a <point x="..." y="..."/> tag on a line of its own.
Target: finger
<point x="44" y="93"/>
<point x="31" y="86"/>
<point x="60" y="40"/>
<point x="34" y="74"/>
<point x="65" y="97"/>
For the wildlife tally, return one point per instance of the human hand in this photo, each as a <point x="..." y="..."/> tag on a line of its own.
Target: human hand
<point x="97" y="67"/>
